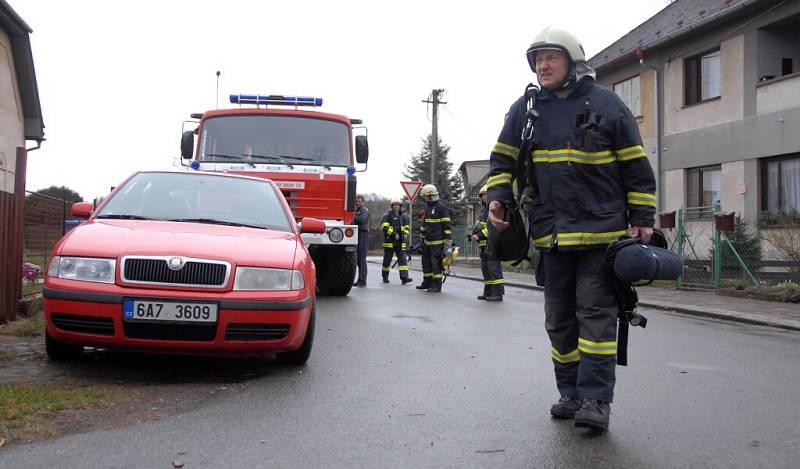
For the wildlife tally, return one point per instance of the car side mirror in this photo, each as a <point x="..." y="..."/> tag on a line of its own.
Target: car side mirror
<point x="81" y="209"/>
<point x="362" y="149"/>
<point x="312" y="225"/>
<point x="187" y="145"/>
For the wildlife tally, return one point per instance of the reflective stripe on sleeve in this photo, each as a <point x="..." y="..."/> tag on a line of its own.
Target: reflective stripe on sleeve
<point x="630" y="153"/>
<point x="641" y="198"/>
<point x="497" y="179"/>
<point x="506" y="150"/>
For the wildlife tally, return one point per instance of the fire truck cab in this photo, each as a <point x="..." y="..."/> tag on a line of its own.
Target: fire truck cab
<point x="310" y="155"/>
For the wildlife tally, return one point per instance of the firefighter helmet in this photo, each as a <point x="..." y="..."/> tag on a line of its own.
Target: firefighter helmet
<point x="395" y="202"/>
<point x="428" y="190"/>
<point x="555" y="38"/>
<point x="484" y="189"/>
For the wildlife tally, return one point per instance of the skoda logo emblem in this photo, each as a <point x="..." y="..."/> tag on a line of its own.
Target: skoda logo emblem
<point x="176" y="263"/>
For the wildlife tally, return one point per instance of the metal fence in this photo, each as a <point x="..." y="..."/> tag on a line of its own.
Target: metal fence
<point x="723" y="250"/>
<point x="46" y="221"/>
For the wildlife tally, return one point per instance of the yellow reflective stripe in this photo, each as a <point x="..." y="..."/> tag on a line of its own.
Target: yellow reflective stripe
<point x="641" y="198"/>
<point x="403" y="267"/>
<point x="482" y="243"/>
<point x="403" y="245"/>
<point x="597" y="348"/>
<point x="497" y="179"/>
<point x="544" y="241"/>
<point x="485" y="231"/>
<point x="437" y="220"/>
<point x="386" y="268"/>
<point x="405" y="229"/>
<point x="570" y="357"/>
<point x="388" y="245"/>
<point x="630" y="153"/>
<point x="429" y="274"/>
<point x="499" y="281"/>
<point x="385" y="224"/>
<point x="437" y="276"/>
<point x="434" y="243"/>
<point x="507" y="150"/>
<point x="448" y="231"/>
<point x="573" y="156"/>
<point x="585" y="239"/>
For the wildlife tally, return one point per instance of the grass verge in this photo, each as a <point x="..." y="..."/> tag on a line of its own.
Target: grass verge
<point x="25" y="327"/>
<point x="26" y="409"/>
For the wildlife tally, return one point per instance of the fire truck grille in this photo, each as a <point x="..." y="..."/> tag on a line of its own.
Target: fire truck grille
<point x="193" y="273"/>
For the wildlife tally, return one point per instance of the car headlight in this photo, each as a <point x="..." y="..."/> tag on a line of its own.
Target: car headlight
<point x="87" y="269"/>
<point x="252" y="278"/>
<point x="336" y="235"/>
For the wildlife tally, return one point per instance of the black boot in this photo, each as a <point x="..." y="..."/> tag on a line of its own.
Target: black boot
<point x="423" y="286"/>
<point x="565" y="408"/>
<point x="385" y="279"/>
<point x="406" y="280"/>
<point x="593" y="414"/>
<point x="435" y="288"/>
<point x="494" y="298"/>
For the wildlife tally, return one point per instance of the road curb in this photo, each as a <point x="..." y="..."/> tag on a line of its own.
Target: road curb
<point x="745" y="318"/>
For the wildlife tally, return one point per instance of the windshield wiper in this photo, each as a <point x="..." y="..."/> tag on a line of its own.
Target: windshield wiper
<point x="123" y="216"/>
<point x="231" y="157"/>
<point x="213" y="221"/>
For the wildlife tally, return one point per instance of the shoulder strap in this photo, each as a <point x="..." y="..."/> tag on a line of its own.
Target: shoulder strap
<point x="526" y="142"/>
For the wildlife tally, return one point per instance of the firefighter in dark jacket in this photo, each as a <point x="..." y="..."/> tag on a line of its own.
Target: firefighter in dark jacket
<point x="591" y="184"/>
<point x="395" y="236"/>
<point x="437" y="234"/>
<point x="492" y="270"/>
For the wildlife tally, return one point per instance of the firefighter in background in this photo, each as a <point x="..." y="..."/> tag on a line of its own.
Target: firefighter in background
<point x="437" y="234"/>
<point x="395" y="236"/>
<point x="493" y="282"/>
<point x="592" y="183"/>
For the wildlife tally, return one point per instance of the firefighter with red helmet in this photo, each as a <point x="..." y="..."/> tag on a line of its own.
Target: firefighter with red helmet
<point x="590" y="182"/>
<point x="396" y="233"/>
<point x="492" y="270"/>
<point x="437" y="234"/>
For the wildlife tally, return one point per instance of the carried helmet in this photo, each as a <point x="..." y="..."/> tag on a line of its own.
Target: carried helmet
<point x="395" y="202"/>
<point x="555" y="38"/>
<point x="428" y="190"/>
<point x="484" y="189"/>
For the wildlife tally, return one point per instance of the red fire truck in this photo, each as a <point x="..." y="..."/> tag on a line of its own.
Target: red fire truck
<point x="308" y="154"/>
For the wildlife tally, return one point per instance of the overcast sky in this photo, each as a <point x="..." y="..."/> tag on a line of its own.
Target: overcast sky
<point x="116" y="79"/>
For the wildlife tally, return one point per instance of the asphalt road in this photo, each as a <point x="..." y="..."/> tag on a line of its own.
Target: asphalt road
<point x="401" y="378"/>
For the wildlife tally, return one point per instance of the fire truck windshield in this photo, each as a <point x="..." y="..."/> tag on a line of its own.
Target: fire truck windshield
<point x="282" y="139"/>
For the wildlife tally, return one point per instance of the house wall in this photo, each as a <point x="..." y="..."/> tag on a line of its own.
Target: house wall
<point x="12" y="133"/>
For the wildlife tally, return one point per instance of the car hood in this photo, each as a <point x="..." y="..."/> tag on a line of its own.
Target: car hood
<point x="238" y="245"/>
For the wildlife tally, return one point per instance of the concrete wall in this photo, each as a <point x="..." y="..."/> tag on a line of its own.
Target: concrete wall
<point x="729" y="107"/>
<point x="11" y="119"/>
<point x="778" y="94"/>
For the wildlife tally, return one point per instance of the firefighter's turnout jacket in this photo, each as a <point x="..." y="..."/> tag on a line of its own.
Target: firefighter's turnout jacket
<point x="591" y="176"/>
<point x="395" y="223"/>
<point x="436" y="231"/>
<point x="492" y="269"/>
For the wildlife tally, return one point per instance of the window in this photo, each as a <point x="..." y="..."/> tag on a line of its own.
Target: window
<point x="786" y="66"/>
<point x="702" y="77"/>
<point x="704" y="189"/>
<point x="781" y="184"/>
<point x="628" y="90"/>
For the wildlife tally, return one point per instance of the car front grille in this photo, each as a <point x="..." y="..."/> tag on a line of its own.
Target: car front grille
<point x="248" y="332"/>
<point x="153" y="331"/>
<point x="83" y="324"/>
<point x="195" y="272"/>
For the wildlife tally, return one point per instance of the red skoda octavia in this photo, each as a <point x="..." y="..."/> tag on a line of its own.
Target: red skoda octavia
<point x="184" y="262"/>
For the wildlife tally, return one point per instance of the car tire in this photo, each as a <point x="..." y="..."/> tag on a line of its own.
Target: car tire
<point x="60" y="351"/>
<point x="300" y="356"/>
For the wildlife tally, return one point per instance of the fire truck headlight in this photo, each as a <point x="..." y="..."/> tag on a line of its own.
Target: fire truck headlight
<point x="336" y="235"/>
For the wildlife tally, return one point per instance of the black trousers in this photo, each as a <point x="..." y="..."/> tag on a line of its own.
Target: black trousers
<point x="493" y="282"/>
<point x="432" y="264"/>
<point x="581" y="320"/>
<point x="363" y="246"/>
<point x="402" y="262"/>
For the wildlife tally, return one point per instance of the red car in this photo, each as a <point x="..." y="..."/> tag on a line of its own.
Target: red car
<point x="184" y="262"/>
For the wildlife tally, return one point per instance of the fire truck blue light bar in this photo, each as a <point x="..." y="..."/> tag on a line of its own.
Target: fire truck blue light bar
<point x="275" y="99"/>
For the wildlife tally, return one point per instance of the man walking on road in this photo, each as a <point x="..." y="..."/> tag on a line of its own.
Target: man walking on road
<point x="492" y="270"/>
<point x="396" y="232"/>
<point x="362" y="220"/>
<point x="437" y="234"/>
<point x="591" y="183"/>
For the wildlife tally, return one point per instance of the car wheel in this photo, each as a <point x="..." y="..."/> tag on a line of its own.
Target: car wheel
<point x="60" y="351"/>
<point x="300" y="356"/>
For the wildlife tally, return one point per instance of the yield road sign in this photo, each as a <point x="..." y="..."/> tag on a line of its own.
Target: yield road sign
<point x="411" y="188"/>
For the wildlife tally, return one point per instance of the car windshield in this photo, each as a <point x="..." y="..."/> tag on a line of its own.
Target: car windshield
<point x="198" y="198"/>
<point x="275" y="139"/>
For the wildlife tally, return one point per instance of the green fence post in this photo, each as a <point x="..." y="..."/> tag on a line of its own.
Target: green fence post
<point x="680" y="235"/>
<point x="717" y="249"/>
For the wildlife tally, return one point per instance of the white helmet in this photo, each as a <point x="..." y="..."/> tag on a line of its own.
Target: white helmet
<point x="428" y="190"/>
<point x="555" y="38"/>
<point x="484" y="189"/>
<point x="395" y="202"/>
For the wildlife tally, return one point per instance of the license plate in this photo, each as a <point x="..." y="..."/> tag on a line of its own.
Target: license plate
<point x="173" y="311"/>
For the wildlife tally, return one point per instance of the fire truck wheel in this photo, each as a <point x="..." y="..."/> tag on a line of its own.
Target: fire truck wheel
<point x="336" y="274"/>
<point x="300" y="356"/>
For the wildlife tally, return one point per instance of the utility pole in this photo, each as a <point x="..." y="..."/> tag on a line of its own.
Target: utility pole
<point x="218" y="89"/>
<point x="434" y="99"/>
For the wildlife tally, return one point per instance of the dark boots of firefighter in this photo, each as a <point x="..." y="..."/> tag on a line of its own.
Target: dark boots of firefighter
<point x="436" y="287"/>
<point x="565" y="408"/>
<point x="493" y="282"/>
<point x="593" y="414"/>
